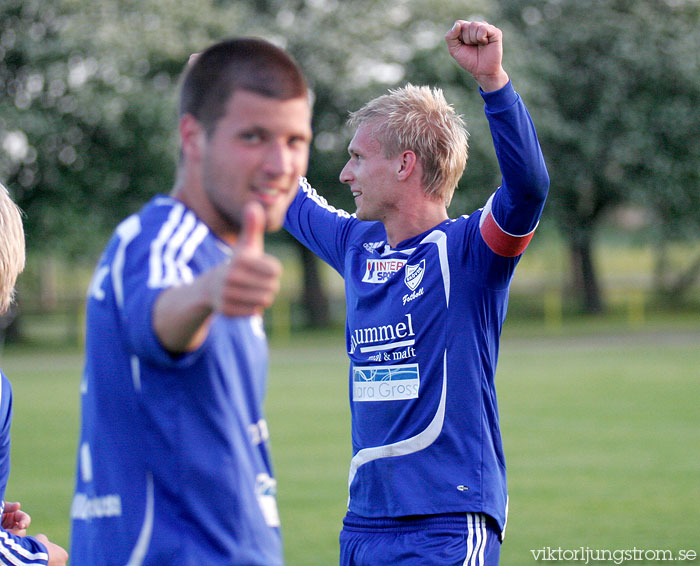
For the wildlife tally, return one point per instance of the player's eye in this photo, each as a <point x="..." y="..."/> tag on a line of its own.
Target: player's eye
<point x="251" y="137"/>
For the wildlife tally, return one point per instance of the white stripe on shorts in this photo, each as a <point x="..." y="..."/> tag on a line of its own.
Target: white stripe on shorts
<point x="476" y="539"/>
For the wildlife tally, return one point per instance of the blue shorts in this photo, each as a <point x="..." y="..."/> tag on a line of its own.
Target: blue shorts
<point x="460" y="539"/>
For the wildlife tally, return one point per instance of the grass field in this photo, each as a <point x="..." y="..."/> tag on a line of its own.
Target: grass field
<point x="601" y="430"/>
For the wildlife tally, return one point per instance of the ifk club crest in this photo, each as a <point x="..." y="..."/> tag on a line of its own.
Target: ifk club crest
<point x="413" y="275"/>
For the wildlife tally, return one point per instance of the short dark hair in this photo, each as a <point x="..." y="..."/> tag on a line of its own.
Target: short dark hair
<point x="250" y="64"/>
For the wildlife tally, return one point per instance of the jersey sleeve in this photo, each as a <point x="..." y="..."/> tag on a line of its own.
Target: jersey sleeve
<point x="21" y="551"/>
<point x="5" y="423"/>
<point x="510" y="216"/>
<point x="323" y="229"/>
<point x="144" y="259"/>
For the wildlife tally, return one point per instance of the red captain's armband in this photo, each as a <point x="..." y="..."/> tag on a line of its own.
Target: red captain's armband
<point x="497" y="239"/>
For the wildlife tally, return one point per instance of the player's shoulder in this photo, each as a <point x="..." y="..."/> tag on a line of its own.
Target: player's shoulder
<point x="369" y="236"/>
<point x="5" y="385"/>
<point x="164" y="219"/>
<point x="307" y="191"/>
<point x="5" y="397"/>
<point x="159" y="210"/>
<point x="461" y="225"/>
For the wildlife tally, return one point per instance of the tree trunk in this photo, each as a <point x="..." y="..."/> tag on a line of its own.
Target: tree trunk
<point x="584" y="279"/>
<point x="673" y="287"/>
<point x="314" y="297"/>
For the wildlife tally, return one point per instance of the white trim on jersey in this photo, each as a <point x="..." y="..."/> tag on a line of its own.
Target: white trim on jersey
<point x="126" y="231"/>
<point x="138" y="554"/>
<point x="155" y="272"/>
<point x="426" y="437"/>
<point x="174" y="247"/>
<point x="171" y="274"/>
<point x="439" y="238"/>
<point x="136" y="372"/>
<point x="13" y="553"/>
<point x="319" y="200"/>
<point x="410" y="445"/>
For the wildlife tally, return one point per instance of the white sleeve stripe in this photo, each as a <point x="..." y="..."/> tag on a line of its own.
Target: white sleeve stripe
<point x="18" y="555"/>
<point x="127" y="231"/>
<point x="171" y="274"/>
<point x="174" y="247"/>
<point x="188" y="249"/>
<point x="318" y="199"/>
<point x="155" y="264"/>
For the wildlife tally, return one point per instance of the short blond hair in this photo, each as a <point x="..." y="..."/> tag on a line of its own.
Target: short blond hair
<point x="12" y="256"/>
<point x="418" y="118"/>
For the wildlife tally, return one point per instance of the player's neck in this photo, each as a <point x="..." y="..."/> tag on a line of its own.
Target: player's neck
<point x="189" y="191"/>
<point x="413" y="221"/>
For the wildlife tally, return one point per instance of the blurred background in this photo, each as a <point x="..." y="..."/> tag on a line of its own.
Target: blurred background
<point x="88" y="134"/>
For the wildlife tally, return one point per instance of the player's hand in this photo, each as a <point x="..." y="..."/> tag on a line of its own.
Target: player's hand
<point x="14" y="520"/>
<point x="478" y="48"/>
<point x="57" y="555"/>
<point x="243" y="286"/>
<point x="248" y="283"/>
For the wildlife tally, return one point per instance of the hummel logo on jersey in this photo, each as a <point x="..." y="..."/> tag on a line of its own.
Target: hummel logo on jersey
<point x="372" y="246"/>
<point x="379" y="270"/>
<point x="414" y="275"/>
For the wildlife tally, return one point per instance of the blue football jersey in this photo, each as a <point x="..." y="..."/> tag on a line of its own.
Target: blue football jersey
<point x="422" y="332"/>
<point x="173" y="464"/>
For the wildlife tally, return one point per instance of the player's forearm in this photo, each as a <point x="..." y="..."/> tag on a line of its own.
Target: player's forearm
<point x="517" y="147"/>
<point x="181" y="317"/>
<point x="525" y="179"/>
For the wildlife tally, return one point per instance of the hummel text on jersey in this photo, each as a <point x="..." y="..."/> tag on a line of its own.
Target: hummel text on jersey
<point x="88" y="508"/>
<point x="375" y="334"/>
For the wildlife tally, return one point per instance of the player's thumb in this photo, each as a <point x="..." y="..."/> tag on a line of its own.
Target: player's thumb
<point x="453" y="34"/>
<point x="253" y="229"/>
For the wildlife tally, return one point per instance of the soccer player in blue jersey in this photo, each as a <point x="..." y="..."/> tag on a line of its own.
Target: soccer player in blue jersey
<point x="15" y="547"/>
<point x="426" y="299"/>
<point x="173" y="463"/>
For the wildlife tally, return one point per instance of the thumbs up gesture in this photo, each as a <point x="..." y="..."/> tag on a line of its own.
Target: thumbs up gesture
<point x="249" y="282"/>
<point x="243" y="286"/>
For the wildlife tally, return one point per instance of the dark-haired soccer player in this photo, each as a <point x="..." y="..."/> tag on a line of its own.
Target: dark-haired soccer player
<point x="426" y="299"/>
<point x="173" y="461"/>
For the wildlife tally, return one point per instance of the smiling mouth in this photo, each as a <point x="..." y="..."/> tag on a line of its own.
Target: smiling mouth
<point x="268" y="195"/>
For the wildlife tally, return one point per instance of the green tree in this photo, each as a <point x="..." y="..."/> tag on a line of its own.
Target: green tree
<point x="87" y="120"/>
<point x="352" y="52"/>
<point x="615" y="84"/>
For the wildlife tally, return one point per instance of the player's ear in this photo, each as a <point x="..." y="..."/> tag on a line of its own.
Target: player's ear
<point x="406" y="164"/>
<point x="192" y="137"/>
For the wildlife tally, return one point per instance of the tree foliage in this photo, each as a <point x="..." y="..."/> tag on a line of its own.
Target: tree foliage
<point x="616" y="86"/>
<point x="88" y="122"/>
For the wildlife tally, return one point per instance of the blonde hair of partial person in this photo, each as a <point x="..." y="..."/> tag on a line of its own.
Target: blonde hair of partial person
<point x="418" y="118"/>
<point x="11" y="248"/>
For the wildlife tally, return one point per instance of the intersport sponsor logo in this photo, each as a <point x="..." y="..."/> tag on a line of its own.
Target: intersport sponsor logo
<point x="380" y="270"/>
